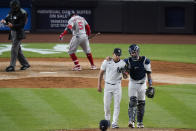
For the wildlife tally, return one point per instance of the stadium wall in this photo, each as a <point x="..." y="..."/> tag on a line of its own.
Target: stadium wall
<point x="114" y="16"/>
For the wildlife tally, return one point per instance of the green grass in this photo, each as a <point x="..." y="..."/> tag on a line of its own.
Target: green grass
<point x="56" y="108"/>
<point x="164" y="52"/>
<point x="173" y="107"/>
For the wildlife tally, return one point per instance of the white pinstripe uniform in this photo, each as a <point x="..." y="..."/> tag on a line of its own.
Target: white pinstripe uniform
<point x="79" y="37"/>
<point x="112" y="88"/>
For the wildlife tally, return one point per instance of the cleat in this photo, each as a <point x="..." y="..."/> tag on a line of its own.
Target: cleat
<point x="24" y="67"/>
<point x="131" y="124"/>
<point x="10" y="69"/>
<point x="140" y="125"/>
<point x="77" y="68"/>
<point x="93" y="67"/>
<point x="115" y="126"/>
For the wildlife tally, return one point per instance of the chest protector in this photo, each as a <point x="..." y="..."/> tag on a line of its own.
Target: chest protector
<point x="136" y="68"/>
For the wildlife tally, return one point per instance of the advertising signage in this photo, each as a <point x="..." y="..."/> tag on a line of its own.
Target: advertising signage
<point x="57" y="19"/>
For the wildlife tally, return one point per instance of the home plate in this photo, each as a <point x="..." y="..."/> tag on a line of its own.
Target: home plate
<point x="47" y="72"/>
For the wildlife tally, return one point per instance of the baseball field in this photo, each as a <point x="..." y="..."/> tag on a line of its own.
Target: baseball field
<point x="51" y="97"/>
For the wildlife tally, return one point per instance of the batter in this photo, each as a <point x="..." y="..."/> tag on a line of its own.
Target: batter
<point x="80" y="30"/>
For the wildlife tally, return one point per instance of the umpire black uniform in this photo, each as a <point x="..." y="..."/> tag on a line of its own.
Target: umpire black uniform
<point x="16" y="20"/>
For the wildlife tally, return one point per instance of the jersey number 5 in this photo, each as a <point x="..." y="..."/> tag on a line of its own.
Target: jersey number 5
<point x="80" y="24"/>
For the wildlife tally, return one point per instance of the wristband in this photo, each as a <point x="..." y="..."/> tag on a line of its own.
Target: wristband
<point x="150" y="82"/>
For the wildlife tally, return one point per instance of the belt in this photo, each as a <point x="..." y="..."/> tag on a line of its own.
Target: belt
<point x="110" y="83"/>
<point x="140" y="83"/>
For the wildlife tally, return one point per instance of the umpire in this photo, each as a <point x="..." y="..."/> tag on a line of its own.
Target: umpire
<point x="16" y="20"/>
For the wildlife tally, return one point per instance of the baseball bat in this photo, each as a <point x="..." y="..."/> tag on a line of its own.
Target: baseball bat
<point x="94" y="35"/>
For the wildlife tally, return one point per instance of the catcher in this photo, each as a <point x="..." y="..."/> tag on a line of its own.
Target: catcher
<point x="138" y="68"/>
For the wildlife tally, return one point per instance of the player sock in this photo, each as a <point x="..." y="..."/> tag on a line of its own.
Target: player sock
<point x="90" y="58"/>
<point x="74" y="58"/>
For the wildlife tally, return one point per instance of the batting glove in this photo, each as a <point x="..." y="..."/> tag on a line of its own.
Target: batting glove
<point x="61" y="37"/>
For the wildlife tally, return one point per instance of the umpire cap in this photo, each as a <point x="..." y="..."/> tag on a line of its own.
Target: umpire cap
<point x="117" y="51"/>
<point x="103" y="125"/>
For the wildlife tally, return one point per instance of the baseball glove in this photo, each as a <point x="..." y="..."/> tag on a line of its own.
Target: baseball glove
<point x="150" y="92"/>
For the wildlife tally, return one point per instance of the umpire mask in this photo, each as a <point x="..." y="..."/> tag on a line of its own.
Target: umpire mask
<point x="14" y="5"/>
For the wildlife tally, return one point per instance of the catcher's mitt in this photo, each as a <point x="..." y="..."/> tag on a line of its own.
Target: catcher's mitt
<point x="150" y="92"/>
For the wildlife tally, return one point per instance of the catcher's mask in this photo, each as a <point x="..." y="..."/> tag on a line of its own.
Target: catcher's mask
<point x="15" y="5"/>
<point x="134" y="51"/>
<point x="103" y="125"/>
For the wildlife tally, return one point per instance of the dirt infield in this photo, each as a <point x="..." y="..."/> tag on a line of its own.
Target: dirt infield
<point x="57" y="73"/>
<point x="127" y="129"/>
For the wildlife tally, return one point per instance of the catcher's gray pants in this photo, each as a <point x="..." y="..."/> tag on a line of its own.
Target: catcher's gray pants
<point x="136" y="92"/>
<point x="136" y="89"/>
<point x="16" y="51"/>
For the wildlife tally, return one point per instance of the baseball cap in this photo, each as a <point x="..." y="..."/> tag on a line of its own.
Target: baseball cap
<point x="117" y="51"/>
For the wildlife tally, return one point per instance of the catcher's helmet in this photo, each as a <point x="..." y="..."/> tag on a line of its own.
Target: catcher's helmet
<point x="15" y="5"/>
<point x="134" y="49"/>
<point x="103" y="125"/>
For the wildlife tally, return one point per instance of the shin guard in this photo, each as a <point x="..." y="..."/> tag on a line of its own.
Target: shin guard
<point x="132" y="108"/>
<point x="140" y="110"/>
